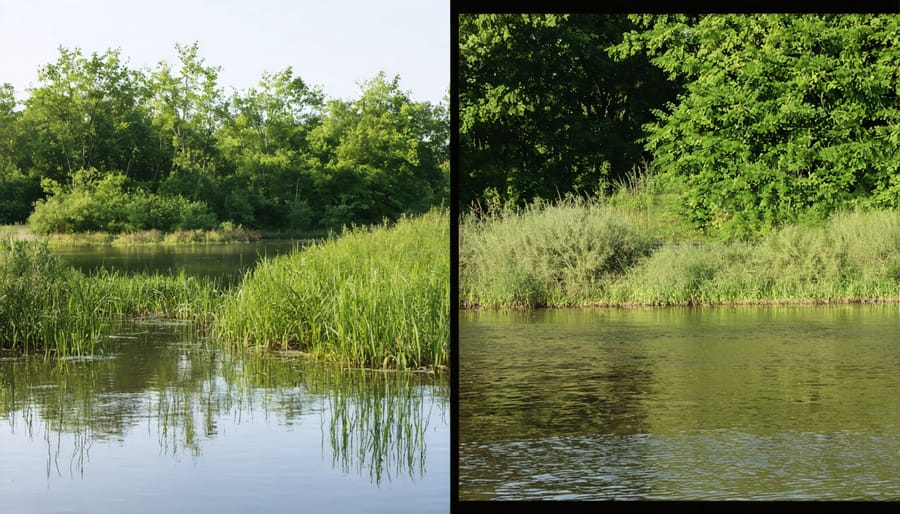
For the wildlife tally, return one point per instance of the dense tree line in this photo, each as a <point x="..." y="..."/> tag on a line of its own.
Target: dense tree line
<point x="545" y="110"/>
<point x="97" y="145"/>
<point x="761" y="120"/>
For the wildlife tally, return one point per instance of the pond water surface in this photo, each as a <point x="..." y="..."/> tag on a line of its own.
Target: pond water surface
<point x="731" y="403"/>
<point x="226" y="261"/>
<point x="166" y="420"/>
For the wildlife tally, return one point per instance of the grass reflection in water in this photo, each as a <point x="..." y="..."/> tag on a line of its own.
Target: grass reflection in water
<point x="186" y="394"/>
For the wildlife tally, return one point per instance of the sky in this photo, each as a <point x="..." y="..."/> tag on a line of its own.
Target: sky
<point x="333" y="44"/>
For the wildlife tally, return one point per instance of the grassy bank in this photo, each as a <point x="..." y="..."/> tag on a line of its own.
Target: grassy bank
<point x="589" y="253"/>
<point x="376" y="297"/>
<point x="225" y="233"/>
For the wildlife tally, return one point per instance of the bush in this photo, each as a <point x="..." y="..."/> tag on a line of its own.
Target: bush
<point x="104" y="202"/>
<point x="546" y="254"/>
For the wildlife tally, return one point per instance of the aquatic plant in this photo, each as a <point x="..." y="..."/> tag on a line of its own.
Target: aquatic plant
<point x="47" y="306"/>
<point x="371" y="297"/>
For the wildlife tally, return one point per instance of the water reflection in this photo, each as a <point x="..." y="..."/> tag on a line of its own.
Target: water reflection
<point x="160" y="380"/>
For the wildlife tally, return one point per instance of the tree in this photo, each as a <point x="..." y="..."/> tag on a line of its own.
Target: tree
<point x="85" y="113"/>
<point x="783" y="117"/>
<point x="187" y="109"/>
<point x="17" y="192"/>
<point x="381" y="155"/>
<point x="264" y="140"/>
<point x="544" y="109"/>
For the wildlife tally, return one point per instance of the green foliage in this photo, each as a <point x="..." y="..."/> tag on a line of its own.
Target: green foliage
<point x="17" y="194"/>
<point x="543" y="108"/>
<point x="563" y="254"/>
<point x="276" y="156"/>
<point x="377" y="297"/>
<point x="783" y="118"/>
<point x="84" y="113"/>
<point x="96" y="202"/>
<point x="382" y="155"/>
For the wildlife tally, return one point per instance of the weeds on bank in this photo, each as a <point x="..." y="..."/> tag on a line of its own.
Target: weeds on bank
<point x="525" y="259"/>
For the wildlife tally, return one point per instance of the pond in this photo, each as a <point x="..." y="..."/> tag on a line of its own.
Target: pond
<point x="167" y="420"/>
<point x="225" y="261"/>
<point x="728" y="403"/>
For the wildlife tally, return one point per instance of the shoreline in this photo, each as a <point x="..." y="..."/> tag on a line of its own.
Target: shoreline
<point x="723" y="303"/>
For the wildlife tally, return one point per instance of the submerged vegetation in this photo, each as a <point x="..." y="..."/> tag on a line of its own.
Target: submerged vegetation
<point x="372" y="297"/>
<point x="581" y="252"/>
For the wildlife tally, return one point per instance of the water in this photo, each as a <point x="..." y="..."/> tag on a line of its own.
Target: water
<point x="227" y="261"/>
<point x="749" y="403"/>
<point x="166" y="420"/>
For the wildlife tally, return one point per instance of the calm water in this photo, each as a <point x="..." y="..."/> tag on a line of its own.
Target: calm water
<point x="227" y="261"/>
<point x="165" y="420"/>
<point x="755" y="403"/>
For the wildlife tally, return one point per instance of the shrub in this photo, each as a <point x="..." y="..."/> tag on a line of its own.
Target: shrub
<point x="546" y="254"/>
<point x="104" y="202"/>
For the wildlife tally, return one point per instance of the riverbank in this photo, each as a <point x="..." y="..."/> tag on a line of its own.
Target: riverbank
<point x="373" y="297"/>
<point x="225" y="233"/>
<point x="588" y="253"/>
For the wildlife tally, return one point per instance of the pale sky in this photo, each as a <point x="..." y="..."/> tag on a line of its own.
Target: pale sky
<point x="333" y="44"/>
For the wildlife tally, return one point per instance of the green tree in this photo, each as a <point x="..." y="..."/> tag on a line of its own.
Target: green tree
<point x="381" y="155"/>
<point x="783" y="117"/>
<point x="264" y="140"/>
<point x="17" y="192"/>
<point x="187" y="106"/>
<point x="544" y="109"/>
<point x="85" y="112"/>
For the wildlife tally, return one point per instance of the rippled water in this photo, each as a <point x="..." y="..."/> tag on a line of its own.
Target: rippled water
<point x="774" y="403"/>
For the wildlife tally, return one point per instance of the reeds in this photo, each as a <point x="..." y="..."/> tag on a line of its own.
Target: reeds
<point x="372" y="297"/>
<point x="46" y="306"/>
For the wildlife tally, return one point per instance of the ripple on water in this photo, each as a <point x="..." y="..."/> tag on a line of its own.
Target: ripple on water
<point x="710" y="465"/>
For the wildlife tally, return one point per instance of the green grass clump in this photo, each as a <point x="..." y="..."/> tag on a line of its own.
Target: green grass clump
<point x="375" y="297"/>
<point x="562" y="254"/>
<point x="179" y="297"/>
<point x="42" y="303"/>
<point x="47" y="306"/>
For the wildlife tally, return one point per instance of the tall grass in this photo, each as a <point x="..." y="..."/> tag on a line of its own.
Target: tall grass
<point x="562" y="254"/>
<point x="227" y="232"/>
<point x="42" y="303"/>
<point x="47" y="306"/>
<point x="374" y="297"/>
<point x="855" y="256"/>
